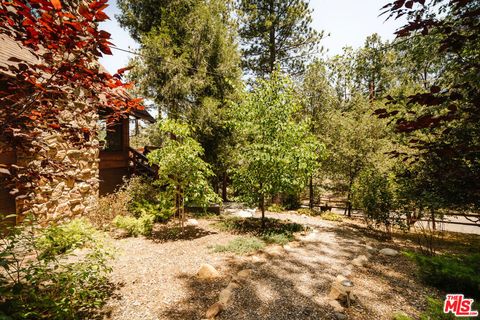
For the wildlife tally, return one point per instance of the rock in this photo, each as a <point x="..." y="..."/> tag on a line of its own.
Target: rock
<point x="244" y="274"/>
<point x="247" y="213"/>
<point x="257" y="259"/>
<point x="192" y="222"/>
<point x="340" y="316"/>
<point x="232" y="286"/>
<point x="207" y="271"/>
<point x="274" y="250"/>
<point x="214" y="310"/>
<point x="388" y="252"/>
<point x="360" y="261"/>
<point x="337" y="307"/>
<point x="370" y="249"/>
<point x="225" y="296"/>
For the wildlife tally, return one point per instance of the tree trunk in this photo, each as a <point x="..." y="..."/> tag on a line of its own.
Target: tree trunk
<point x="262" y="208"/>
<point x="432" y="212"/>
<point x="311" y="193"/>
<point x="224" y="187"/>
<point x="272" y="40"/>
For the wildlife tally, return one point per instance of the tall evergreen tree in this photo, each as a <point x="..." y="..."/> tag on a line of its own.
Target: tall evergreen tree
<point x="276" y="32"/>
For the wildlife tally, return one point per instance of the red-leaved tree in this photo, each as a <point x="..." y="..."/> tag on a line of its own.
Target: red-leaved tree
<point x="60" y="44"/>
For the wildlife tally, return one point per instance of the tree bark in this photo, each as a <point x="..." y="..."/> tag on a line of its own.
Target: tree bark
<point x="311" y="193"/>
<point x="224" y="187"/>
<point x="262" y="208"/>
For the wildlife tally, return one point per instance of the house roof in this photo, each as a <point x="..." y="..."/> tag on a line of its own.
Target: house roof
<point x="10" y="48"/>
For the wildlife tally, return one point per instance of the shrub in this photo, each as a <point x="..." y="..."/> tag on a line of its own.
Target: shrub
<point x="135" y="226"/>
<point x="108" y="207"/>
<point x="59" y="239"/>
<point x="253" y="226"/>
<point x="275" y="208"/>
<point x="330" y="216"/>
<point x="291" y="201"/>
<point x="450" y="273"/>
<point x="241" y="245"/>
<point x="435" y="311"/>
<point x="307" y="212"/>
<point x="36" y="285"/>
<point x="160" y="211"/>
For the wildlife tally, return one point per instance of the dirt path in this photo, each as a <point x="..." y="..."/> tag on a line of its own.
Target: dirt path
<point x="290" y="282"/>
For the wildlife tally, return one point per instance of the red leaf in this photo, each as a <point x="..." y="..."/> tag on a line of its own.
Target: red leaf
<point x="122" y="70"/>
<point x="101" y="16"/>
<point x="56" y="4"/>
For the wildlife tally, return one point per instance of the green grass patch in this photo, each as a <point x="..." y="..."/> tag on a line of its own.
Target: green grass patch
<point x="241" y="245"/>
<point x="451" y="273"/>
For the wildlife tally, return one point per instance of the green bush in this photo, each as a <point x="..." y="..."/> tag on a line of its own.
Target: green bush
<point x="39" y="279"/>
<point x="330" y="216"/>
<point x="307" y="212"/>
<point x="253" y="226"/>
<point x="291" y="201"/>
<point x="241" y="245"/>
<point x="458" y="274"/>
<point x="135" y="226"/>
<point x="59" y="239"/>
<point x="275" y="208"/>
<point x="435" y="311"/>
<point x="160" y="211"/>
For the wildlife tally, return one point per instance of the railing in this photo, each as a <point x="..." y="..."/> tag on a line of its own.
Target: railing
<point x="139" y="165"/>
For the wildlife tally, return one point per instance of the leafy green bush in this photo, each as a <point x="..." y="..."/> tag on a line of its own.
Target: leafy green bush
<point x="39" y="279"/>
<point x="307" y="212"/>
<point x="135" y="226"/>
<point x="459" y="274"/>
<point x="330" y="216"/>
<point x="108" y="207"/>
<point x="275" y="208"/>
<point x="291" y="201"/>
<point x="253" y="226"/>
<point x="161" y="211"/>
<point x="241" y="245"/>
<point x="59" y="239"/>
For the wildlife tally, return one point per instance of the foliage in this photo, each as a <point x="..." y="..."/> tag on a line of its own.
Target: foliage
<point x="276" y="32"/>
<point x="439" y="121"/>
<point x="41" y="279"/>
<point x="330" y="216"/>
<point x="307" y="212"/>
<point x="275" y="208"/>
<point x="291" y="200"/>
<point x="61" y="239"/>
<point x="276" y="152"/>
<point x="241" y="245"/>
<point x="450" y="273"/>
<point x="181" y="168"/>
<point x="108" y="207"/>
<point x="277" y="238"/>
<point x="142" y="225"/>
<point x="374" y="194"/>
<point x="61" y="44"/>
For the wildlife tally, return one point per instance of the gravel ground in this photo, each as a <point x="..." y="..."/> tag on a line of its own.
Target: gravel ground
<point x="156" y="279"/>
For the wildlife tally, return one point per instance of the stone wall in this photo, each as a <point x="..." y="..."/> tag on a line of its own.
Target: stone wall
<point x="67" y="161"/>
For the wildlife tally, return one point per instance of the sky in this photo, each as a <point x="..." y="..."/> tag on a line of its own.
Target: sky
<point x="348" y="23"/>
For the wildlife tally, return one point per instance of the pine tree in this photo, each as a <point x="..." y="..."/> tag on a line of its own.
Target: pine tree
<point x="276" y="32"/>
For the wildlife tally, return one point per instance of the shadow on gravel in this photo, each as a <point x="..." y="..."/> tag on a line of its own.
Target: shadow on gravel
<point x="165" y="233"/>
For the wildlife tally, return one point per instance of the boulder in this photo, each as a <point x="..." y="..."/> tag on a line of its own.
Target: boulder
<point x="340" y="316"/>
<point x="360" y="261"/>
<point x="388" y="252"/>
<point x="244" y="274"/>
<point x="207" y="271"/>
<point x="246" y="213"/>
<point x="192" y="222"/>
<point x="225" y="296"/>
<point x="214" y="310"/>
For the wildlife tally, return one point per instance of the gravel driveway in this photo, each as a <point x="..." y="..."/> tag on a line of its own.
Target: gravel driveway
<point x="157" y="279"/>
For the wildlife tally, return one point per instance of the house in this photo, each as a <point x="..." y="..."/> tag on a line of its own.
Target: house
<point x="87" y="171"/>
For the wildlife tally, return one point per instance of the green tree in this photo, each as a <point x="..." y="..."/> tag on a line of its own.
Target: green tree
<point x="276" y="152"/>
<point x="319" y="98"/>
<point x="181" y="168"/>
<point x="276" y="32"/>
